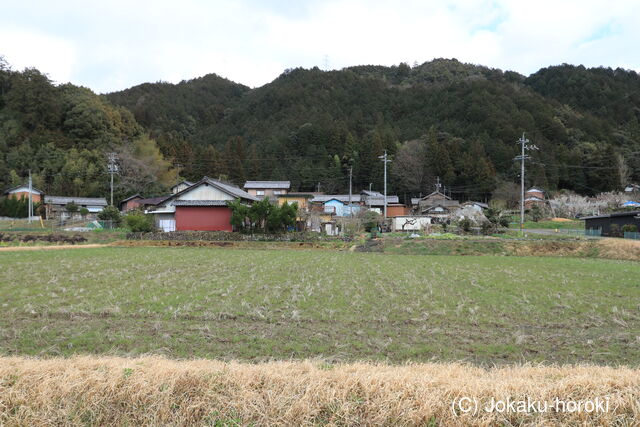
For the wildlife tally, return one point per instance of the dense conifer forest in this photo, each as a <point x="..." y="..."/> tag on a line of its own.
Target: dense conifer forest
<point x="441" y="119"/>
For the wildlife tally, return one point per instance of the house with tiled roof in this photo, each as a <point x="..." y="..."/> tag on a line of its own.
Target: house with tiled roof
<point x="270" y="189"/>
<point x="199" y="207"/>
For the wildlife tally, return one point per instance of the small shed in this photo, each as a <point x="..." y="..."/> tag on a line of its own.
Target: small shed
<point x="609" y="223"/>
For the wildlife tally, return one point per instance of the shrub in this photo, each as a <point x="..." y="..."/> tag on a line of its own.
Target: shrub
<point x="371" y="220"/>
<point x="138" y="222"/>
<point x="71" y="207"/>
<point x="84" y="212"/>
<point x="487" y="228"/>
<point x="465" y="225"/>
<point x="629" y="228"/>
<point x="614" y="231"/>
<point x="14" y="208"/>
<point x="536" y="213"/>
<point x="111" y="213"/>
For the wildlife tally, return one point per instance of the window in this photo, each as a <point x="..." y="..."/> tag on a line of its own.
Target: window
<point x="276" y="192"/>
<point x="259" y="192"/>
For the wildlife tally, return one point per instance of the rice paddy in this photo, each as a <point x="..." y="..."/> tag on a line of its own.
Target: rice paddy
<point x="262" y="305"/>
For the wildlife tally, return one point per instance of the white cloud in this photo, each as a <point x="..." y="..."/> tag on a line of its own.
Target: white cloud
<point x="52" y="55"/>
<point x="115" y="44"/>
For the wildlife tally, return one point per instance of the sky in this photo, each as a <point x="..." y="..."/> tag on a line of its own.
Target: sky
<point x="110" y="45"/>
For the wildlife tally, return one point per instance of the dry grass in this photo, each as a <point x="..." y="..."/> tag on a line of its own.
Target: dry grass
<point x="619" y="249"/>
<point x="156" y="391"/>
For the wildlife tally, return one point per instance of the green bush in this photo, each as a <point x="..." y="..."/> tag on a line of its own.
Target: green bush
<point x="629" y="228"/>
<point x="71" y="207"/>
<point x="14" y="208"/>
<point x="111" y="213"/>
<point x="465" y="225"/>
<point x="138" y="222"/>
<point x="84" y="212"/>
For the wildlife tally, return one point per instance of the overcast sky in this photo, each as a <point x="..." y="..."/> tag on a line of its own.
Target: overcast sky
<point x="114" y="44"/>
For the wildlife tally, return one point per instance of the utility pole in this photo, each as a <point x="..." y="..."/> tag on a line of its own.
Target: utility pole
<point x="522" y="157"/>
<point x="350" y="176"/>
<point x="30" y="197"/>
<point x="113" y="169"/>
<point x="385" y="159"/>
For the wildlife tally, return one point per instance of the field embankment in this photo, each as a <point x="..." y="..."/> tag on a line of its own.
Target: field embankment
<point x="157" y="391"/>
<point x="581" y="248"/>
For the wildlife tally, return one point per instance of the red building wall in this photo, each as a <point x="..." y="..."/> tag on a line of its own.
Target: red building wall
<point x="130" y="205"/>
<point x="35" y="198"/>
<point x="207" y="218"/>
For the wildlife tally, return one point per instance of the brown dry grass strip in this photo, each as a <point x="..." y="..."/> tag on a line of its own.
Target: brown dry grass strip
<point x="52" y="247"/>
<point x="156" y="391"/>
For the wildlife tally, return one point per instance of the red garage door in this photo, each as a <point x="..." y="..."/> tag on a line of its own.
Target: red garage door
<point x="207" y="218"/>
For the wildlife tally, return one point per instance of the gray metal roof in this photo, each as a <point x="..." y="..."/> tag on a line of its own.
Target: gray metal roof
<point x="340" y="197"/>
<point x="371" y="193"/>
<point x="230" y="189"/>
<point x="268" y="184"/>
<point x="153" y="200"/>
<point x="482" y="205"/>
<point x="86" y="201"/>
<point x="26" y="189"/>
<point x="613" y="215"/>
<point x="179" y="203"/>
<point x="379" y="200"/>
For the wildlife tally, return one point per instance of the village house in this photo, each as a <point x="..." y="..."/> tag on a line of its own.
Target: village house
<point x="436" y="205"/>
<point x="56" y="206"/>
<point x="199" y="207"/>
<point x="130" y="203"/>
<point x="374" y="201"/>
<point x="534" y="197"/>
<point x="338" y="204"/>
<point x="303" y="219"/>
<point x="181" y="186"/>
<point x="22" y="191"/>
<point x="269" y="189"/>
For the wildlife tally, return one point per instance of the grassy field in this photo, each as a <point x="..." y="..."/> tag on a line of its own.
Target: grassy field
<point x="561" y="225"/>
<point x="255" y="305"/>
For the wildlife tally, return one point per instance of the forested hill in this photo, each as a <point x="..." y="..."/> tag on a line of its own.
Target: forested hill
<point x="442" y="118"/>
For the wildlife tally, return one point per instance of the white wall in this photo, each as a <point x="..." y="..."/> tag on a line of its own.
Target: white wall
<point x="418" y="223"/>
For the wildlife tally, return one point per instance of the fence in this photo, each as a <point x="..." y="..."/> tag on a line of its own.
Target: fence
<point x="632" y="235"/>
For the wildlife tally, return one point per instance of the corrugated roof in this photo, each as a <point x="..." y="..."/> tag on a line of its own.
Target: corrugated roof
<point x="87" y="201"/>
<point x="611" y="215"/>
<point x="296" y="194"/>
<point x="340" y="197"/>
<point x="152" y="201"/>
<point x="268" y="184"/>
<point x="379" y="200"/>
<point x="26" y="189"/>
<point x="230" y="189"/>
<point x="130" y="197"/>
<point x="179" y="203"/>
<point x="187" y="183"/>
<point x="371" y="193"/>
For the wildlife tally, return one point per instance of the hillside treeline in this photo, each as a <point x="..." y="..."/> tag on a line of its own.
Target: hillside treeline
<point x="441" y="119"/>
<point x="63" y="133"/>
